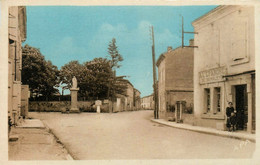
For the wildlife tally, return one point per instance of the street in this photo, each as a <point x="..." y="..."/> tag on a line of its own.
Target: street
<point x="131" y="135"/>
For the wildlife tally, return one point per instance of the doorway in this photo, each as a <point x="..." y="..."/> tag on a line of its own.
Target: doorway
<point x="241" y="106"/>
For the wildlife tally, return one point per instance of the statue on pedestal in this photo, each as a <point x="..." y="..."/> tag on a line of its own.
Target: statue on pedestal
<point x="74" y="96"/>
<point x="74" y="82"/>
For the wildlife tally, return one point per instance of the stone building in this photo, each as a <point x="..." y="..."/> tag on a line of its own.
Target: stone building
<point x="16" y="35"/>
<point x="175" y="79"/>
<point x="137" y="99"/>
<point x="128" y="102"/>
<point x="129" y="99"/>
<point x="147" y="102"/>
<point x="225" y="66"/>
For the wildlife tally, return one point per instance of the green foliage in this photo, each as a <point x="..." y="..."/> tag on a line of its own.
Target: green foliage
<point x="95" y="78"/>
<point x="98" y="75"/>
<point x="117" y="85"/>
<point x="73" y="68"/>
<point x="41" y="75"/>
<point x="115" y="57"/>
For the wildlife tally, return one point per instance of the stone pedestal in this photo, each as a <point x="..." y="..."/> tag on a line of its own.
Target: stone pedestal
<point x="98" y="103"/>
<point x="74" y="100"/>
<point x="98" y="109"/>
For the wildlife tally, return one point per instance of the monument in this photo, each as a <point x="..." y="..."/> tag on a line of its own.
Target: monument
<point x="98" y="103"/>
<point x="74" y="96"/>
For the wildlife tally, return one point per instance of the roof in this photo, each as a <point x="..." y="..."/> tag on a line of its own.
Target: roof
<point x="148" y="96"/>
<point x="137" y="90"/>
<point x="129" y="82"/>
<point x="162" y="56"/>
<point x="160" y="59"/>
<point x="210" y="13"/>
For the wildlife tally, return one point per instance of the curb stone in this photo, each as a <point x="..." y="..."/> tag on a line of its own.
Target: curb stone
<point x="234" y="136"/>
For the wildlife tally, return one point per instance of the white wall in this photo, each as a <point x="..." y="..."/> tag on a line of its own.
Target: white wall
<point x="225" y="38"/>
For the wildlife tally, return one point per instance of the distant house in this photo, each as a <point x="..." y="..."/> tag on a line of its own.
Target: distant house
<point x="147" y="102"/>
<point x="225" y="66"/>
<point x="137" y="99"/>
<point x="175" y="79"/>
<point x="16" y="35"/>
<point x="129" y="99"/>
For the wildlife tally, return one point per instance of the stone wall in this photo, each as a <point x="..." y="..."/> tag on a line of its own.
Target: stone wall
<point x="49" y="106"/>
<point x="62" y="106"/>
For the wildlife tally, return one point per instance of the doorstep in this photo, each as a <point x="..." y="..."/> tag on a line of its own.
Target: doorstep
<point x="31" y="123"/>
<point x="236" y="135"/>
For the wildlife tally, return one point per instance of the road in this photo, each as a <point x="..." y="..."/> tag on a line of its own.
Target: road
<point x="131" y="135"/>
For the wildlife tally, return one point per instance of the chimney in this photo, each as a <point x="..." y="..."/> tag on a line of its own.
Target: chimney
<point x="169" y="48"/>
<point x="191" y="42"/>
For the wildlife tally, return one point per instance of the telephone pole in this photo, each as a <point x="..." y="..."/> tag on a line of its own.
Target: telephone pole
<point x="182" y="35"/>
<point x="155" y="87"/>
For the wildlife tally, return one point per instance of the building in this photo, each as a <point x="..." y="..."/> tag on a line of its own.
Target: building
<point x="129" y="99"/>
<point x="137" y="99"/>
<point x="16" y="35"/>
<point x="147" y="102"/>
<point x="225" y="66"/>
<point x="175" y="79"/>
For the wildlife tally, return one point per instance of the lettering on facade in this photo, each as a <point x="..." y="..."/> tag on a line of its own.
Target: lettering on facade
<point x="212" y="75"/>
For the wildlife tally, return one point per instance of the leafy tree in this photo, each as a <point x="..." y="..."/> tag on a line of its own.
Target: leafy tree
<point x="119" y="86"/>
<point x="115" y="57"/>
<point x="73" y="68"/>
<point x="96" y="82"/>
<point x="41" y="75"/>
<point x="93" y="77"/>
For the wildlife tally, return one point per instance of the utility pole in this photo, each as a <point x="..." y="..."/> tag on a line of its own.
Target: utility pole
<point x="182" y="32"/>
<point x="182" y="35"/>
<point x="156" y="113"/>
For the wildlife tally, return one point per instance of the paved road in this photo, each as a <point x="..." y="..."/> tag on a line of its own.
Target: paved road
<point x="131" y="135"/>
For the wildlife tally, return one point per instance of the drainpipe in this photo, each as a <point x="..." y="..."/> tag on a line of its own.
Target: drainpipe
<point x="15" y="60"/>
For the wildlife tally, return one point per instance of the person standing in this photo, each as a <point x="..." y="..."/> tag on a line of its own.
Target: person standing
<point x="229" y="110"/>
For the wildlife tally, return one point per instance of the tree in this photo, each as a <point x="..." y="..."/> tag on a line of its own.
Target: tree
<point x="93" y="77"/>
<point x="116" y="84"/>
<point x="96" y="82"/>
<point x="73" y="68"/>
<point x="115" y="57"/>
<point x="41" y="75"/>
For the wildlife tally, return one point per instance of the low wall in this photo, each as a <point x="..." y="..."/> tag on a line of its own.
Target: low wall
<point x="62" y="106"/>
<point x="48" y="106"/>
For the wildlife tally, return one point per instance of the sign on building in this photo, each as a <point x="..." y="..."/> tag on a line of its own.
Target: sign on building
<point x="212" y="75"/>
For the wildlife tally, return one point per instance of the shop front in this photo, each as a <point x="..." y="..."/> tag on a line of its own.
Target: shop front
<point x="217" y="89"/>
<point x="241" y="89"/>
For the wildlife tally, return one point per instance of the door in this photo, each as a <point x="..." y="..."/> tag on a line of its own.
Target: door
<point x="241" y="106"/>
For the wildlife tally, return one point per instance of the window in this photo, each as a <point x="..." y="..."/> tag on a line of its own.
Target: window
<point x="207" y="97"/>
<point x="239" y="40"/>
<point x="213" y="100"/>
<point x="217" y="99"/>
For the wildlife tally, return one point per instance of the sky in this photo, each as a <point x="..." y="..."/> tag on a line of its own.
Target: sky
<point x="66" y="33"/>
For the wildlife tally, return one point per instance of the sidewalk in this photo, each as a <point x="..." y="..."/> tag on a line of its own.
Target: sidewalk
<point x="33" y="141"/>
<point x="236" y="135"/>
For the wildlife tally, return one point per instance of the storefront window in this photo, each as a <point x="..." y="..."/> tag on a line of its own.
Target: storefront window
<point x="217" y="91"/>
<point x="207" y="94"/>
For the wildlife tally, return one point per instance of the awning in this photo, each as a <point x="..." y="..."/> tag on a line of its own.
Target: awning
<point x="237" y="74"/>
